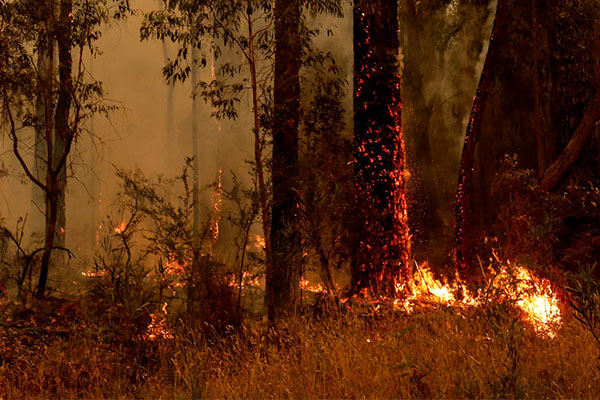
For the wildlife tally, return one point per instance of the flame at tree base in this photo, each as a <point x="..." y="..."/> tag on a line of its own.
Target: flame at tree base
<point x="537" y="303"/>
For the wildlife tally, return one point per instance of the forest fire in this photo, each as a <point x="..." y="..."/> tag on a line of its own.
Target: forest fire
<point x="157" y="328"/>
<point x="119" y="229"/>
<point x="532" y="296"/>
<point x="310" y="287"/>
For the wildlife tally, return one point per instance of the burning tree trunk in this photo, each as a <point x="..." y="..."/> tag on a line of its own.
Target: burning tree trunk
<point x="283" y="276"/>
<point x="467" y="165"/>
<point x="383" y="248"/>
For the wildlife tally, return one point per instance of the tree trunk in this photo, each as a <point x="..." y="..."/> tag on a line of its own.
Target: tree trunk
<point x="382" y="255"/>
<point x="582" y="135"/>
<point x="195" y="152"/>
<point x="284" y="275"/>
<point x="43" y="112"/>
<point x="63" y="108"/>
<point x="537" y="108"/>
<point x="57" y="154"/>
<point x="51" y="216"/>
<point x="463" y="229"/>
<point x="263" y="199"/>
<point x="170" y="108"/>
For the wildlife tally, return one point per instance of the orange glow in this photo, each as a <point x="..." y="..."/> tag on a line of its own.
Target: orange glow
<point x="95" y="274"/>
<point x="217" y="199"/>
<point x="314" y="288"/>
<point x="533" y="296"/>
<point x="259" y="242"/>
<point x="174" y="267"/>
<point x="157" y="328"/>
<point x="119" y="229"/>
<point x="248" y="279"/>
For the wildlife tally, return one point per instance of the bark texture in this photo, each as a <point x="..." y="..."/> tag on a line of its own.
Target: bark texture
<point x="382" y="255"/>
<point x="58" y="150"/>
<point x="284" y="273"/>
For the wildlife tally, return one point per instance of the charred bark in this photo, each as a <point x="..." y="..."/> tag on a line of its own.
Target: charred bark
<point x="284" y="273"/>
<point x="382" y="253"/>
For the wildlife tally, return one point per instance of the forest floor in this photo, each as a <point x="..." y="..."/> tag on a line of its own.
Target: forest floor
<point x="430" y="353"/>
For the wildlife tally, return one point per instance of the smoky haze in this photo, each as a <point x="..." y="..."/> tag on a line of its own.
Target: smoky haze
<point x="135" y="137"/>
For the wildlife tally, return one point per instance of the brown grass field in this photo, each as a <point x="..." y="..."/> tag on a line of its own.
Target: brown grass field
<point x="431" y="353"/>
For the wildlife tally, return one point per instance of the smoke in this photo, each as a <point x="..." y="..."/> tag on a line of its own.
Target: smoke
<point x="135" y="136"/>
<point x="443" y="45"/>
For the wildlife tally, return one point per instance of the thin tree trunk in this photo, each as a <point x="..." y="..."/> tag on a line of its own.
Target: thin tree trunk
<point x="63" y="108"/>
<point x="381" y="260"/>
<point x="58" y="151"/>
<point x="537" y="110"/>
<point x="258" y="156"/>
<point x="44" y="112"/>
<point x="170" y="106"/>
<point x="51" y="215"/>
<point x="95" y="185"/>
<point x="284" y="275"/>
<point x="195" y="152"/>
<point x="463" y="229"/>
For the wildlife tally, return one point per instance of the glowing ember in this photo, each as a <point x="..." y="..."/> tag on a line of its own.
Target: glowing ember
<point x="259" y="242"/>
<point x="248" y="279"/>
<point x="217" y="199"/>
<point x="95" y="274"/>
<point x="157" y="329"/>
<point x="174" y="267"/>
<point x="121" y="227"/>
<point x="306" y="285"/>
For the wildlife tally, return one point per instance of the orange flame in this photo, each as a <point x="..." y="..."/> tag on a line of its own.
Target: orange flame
<point x="259" y="242"/>
<point x="217" y="199"/>
<point x="119" y="229"/>
<point x="306" y="285"/>
<point x="157" y="328"/>
<point x="534" y="297"/>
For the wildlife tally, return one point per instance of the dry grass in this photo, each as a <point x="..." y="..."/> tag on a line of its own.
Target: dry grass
<point x="429" y="354"/>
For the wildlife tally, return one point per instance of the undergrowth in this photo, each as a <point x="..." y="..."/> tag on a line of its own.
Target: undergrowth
<point x="445" y="353"/>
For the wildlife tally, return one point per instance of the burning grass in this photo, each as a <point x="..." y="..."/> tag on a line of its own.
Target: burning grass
<point x="443" y="353"/>
<point x="534" y="297"/>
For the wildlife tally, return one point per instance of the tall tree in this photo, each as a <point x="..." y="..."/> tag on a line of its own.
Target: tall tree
<point x="25" y="25"/>
<point x="244" y="28"/>
<point x="284" y="275"/>
<point x="382" y="256"/>
<point x="170" y="106"/>
<point x="43" y="107"/>
<point x="464" y="247"/>
<point x="196" y="161"/>
<point x="441" y="41"/>
<point x="63" y="138"/>
<point x="543" y="111"/>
